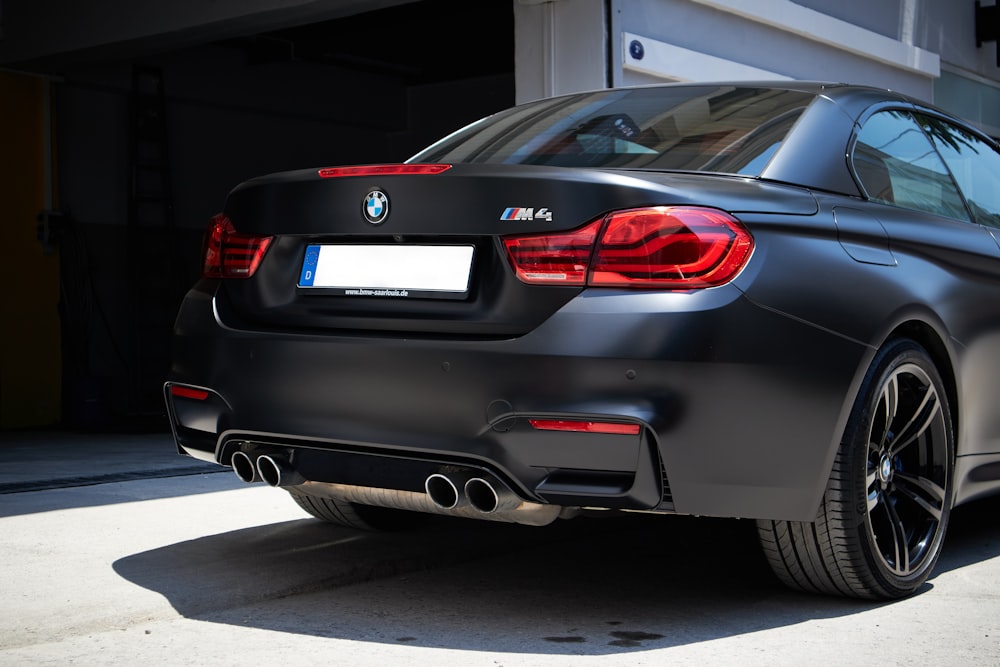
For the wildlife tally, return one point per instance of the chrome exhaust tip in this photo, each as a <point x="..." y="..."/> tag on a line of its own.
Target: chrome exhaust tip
<point x="442" y="491"/>
<point x="243" y="467"/>
<point x="482" y="495"/>
<point x="277" y="472"/>
<point x="488" y="498"/>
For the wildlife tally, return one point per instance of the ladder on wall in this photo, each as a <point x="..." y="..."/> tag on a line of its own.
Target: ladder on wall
<point x="154" y="290"/>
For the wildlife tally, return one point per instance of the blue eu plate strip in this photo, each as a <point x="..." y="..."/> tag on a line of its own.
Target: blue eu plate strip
<point x="309" y="266"/>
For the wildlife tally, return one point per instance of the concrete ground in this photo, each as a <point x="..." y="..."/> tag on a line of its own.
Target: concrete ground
<point x="138" y="555"/>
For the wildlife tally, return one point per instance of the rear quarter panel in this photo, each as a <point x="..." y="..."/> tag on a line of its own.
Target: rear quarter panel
<point x="943" y="280"/>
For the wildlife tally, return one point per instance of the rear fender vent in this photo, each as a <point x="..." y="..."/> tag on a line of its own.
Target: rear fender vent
<point x="666" y="498"/>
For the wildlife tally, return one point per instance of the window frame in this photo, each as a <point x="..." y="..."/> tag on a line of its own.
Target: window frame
<point x="986" y="140"/>
<point x="915" y="111"/>
<point x="912" y="111"/>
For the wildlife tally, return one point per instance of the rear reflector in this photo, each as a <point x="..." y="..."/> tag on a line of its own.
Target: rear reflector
<point x="681" y="247"/>
<point x="188" y="392"/>
<point x="383" y="170"/>
<point x="229" y="254"/>
<point x="584" y="426"/>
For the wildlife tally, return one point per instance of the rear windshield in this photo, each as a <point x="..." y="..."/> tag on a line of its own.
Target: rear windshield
<point x="726" y="129"/>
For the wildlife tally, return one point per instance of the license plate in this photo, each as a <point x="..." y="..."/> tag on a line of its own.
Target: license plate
<point x="389" y="270"/>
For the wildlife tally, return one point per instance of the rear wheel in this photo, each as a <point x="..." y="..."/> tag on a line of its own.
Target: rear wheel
<point x="355" y="515"/>
<point x="883" y="517"/>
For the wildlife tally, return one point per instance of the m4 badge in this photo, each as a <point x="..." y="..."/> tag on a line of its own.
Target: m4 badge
<point x="515" y="213"/>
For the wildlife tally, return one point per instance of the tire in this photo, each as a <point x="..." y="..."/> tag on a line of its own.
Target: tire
<point x="355" y="515"/>
<point x="882" y="521"/>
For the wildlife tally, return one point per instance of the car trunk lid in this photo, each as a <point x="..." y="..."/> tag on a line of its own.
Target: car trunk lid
<point x="392" y="226"/>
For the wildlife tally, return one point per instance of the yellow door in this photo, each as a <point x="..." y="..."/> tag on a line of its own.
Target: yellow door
<point x="30" y="364"/>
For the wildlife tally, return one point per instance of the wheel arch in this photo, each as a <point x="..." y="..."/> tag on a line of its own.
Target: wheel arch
<point x="928" y="335"/>
<point x="933" y="343"/>
<point x="842" y="552"/>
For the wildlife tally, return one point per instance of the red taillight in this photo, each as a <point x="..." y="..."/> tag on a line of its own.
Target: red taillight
<point x="188" y="392"/>
<point x="577" y="426"/>
<point x="670" y="247"/>
<point x="383" y="170"/>
<point x="555" y="259"/>
<point x="681" y="247"/>
<point x="229" y="254"/>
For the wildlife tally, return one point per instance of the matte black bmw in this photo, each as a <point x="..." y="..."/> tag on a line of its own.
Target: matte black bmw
<point x="777" y="302"/>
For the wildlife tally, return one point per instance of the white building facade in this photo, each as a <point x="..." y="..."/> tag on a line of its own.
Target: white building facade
<point x="924" y="48"/>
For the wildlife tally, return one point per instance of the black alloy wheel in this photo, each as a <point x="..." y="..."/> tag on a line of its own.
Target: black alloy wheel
<point x="882" y="521"/>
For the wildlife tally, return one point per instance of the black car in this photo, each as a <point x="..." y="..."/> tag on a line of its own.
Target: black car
<point x="779" y="302"/>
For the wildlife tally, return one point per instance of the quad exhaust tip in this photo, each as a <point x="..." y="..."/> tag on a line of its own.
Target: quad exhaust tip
<point x="482" y="495"/>
<point x="461" y="489"/>
<point x="272" y="470"/>
<point x="244" y="468"/>
<point x="277" y="472"/>
<point x="456" y="492"/>
<point x="443" y="492"/>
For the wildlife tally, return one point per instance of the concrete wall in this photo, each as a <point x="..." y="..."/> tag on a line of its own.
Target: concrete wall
<point x="946" y="27"/>
<point x="700" y="39"/>
<point x="561" y="47"/>
<point x="925" y="48"/>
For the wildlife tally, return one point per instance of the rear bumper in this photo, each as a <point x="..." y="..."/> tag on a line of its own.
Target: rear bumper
<point x="739" y="408"/>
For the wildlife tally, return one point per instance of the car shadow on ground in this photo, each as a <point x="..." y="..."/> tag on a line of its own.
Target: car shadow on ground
<point x="589" y="586"/>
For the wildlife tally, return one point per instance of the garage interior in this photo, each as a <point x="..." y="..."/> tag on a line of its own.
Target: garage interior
<point x="145" y="139"/>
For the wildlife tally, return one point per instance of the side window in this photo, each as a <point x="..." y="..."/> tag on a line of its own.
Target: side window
<point x="897" y="164"/>
<point x="975" y="165"/>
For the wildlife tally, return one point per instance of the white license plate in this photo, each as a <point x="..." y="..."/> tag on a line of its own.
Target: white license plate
<point x="389" y="270"/>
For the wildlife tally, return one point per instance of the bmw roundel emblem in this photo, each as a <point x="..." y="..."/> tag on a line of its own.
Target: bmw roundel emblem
<point x="375" y="207"/>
